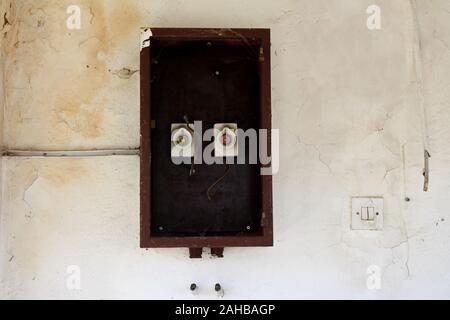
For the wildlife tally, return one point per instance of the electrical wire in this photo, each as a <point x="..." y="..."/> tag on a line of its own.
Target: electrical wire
<point x="208" y="192"/>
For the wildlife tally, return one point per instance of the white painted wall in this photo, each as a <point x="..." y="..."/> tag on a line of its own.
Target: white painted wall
<point x="355" y="109"/>
<point x="2" y="100"/>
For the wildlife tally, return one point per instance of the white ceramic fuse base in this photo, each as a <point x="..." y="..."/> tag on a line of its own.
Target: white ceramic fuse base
<point x="182" y="140"/>
<point x="225" y="140"/>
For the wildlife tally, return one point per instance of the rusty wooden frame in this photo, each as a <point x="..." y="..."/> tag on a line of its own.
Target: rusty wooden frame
<point x="260" y="238"/>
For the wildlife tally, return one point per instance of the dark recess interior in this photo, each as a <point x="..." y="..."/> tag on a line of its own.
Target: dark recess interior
<point x="215" y="81"/>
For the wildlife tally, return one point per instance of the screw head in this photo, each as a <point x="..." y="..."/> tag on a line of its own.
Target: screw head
<point x="217" y="287"/>
<point x="193" y="286"/>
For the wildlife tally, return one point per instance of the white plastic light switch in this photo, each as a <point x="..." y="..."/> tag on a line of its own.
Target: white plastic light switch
<point x="225" y="140"/>
<point x="367" y="213"/>
<point x="182" y="139"/>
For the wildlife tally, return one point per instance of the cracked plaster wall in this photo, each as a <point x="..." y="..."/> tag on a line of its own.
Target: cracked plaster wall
<point x="355" y="109"/>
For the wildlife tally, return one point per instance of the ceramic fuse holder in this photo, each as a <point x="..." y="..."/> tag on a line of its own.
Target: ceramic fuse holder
<point x="182" y="140"/>
<point x="225" y="140"/>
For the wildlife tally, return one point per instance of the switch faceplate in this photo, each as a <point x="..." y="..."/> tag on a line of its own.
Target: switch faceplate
<point x="367" y="213"/>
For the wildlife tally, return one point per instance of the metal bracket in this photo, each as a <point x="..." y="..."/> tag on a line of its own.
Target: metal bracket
<point x="426" y="170"/>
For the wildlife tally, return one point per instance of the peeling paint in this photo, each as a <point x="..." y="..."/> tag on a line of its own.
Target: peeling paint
<point x="125" y="73"/>
<point x="146" y="34"/>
